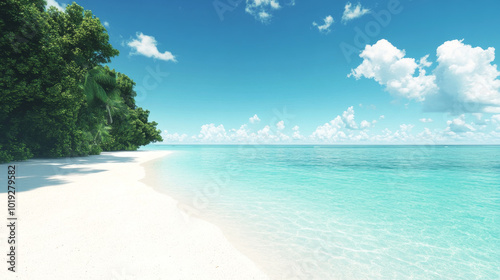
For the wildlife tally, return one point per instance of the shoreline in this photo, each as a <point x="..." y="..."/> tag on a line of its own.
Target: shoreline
<point x="95" y="218"/>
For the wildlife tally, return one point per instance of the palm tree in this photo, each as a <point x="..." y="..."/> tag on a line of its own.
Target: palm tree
<point x="102" y="132"/>
<point x="100" y="87"/>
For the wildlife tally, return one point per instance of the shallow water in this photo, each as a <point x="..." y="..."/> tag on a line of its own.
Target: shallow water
<point x="347" y="212"/>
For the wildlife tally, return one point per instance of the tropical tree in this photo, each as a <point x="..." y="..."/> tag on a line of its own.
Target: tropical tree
<point x="56" y="99"/>
<point x="100" y="88"/>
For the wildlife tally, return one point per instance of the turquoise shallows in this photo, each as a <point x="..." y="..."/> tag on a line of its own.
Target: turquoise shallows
<point x="347" y="212"/>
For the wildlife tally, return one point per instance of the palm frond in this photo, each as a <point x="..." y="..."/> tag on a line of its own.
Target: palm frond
<point x="100" y="93"/>
<point x="105" y="80"/>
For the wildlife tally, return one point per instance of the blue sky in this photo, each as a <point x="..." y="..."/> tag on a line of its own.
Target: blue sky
<point x="368" y="72"/>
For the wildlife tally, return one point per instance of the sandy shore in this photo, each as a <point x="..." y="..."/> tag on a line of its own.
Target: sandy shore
<point x="91" y="218"/>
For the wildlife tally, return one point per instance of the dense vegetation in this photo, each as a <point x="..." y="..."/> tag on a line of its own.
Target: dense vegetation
<point x="56" y="97"/>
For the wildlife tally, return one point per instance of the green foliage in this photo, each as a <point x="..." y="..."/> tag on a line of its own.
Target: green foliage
<point x="56" y="99"/>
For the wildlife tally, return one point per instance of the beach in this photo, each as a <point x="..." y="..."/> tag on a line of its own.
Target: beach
<point x="93" y="218"/>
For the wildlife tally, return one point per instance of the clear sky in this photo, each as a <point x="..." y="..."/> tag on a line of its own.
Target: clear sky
<point x="284" y="71"/>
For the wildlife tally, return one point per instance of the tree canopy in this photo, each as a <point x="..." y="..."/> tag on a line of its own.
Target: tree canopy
<point x="57" y="98"/>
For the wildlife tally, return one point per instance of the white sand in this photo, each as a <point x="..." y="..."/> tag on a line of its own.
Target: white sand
<point x="91" y="218"/>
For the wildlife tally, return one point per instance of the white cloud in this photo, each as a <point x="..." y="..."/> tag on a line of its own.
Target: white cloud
<point x="362" y="136"/>
<point x="348" y="118"/>
<point x="212" y="133"/>
<point x="106" y="24"/>
<point x="423" y="62"/>
<point x="406" y="127"/>
<point x="282" y="137"/>
<point x="382" y="117"/>
<point x="333" y="130"/>
<point x="328" y="131"/>
<point x="403" y="134"/>
<point x="254" y="119"/>
<point x="296" y="133"/>
<point x="496" y="120"/>
<point x="265" y="132"/>
<point x="479" y="119"/>
<point x="53" y="3"/>
<point x="424" y="120"/>
<point x="241" y="135"/>
<point x="336" y="131"/>
<point x="388" y="66"/>
<point x="280" y="125"/>
<point x="425" y="134"/>
<point x="262" y="9"/>
<point x="459" y="125"/>
<point x="265" y="135"/>
<point x="173" y="138"/>
<point x="342" y="127"/>
<point x="146" y="45"/>
<point x="325" y="28"/>
<point x="351" y="12"/>
<point x="365" y="124"/>
<point x="464" y="80"/>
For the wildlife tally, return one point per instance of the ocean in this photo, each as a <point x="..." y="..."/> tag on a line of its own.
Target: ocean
<point x="346" y="212"/>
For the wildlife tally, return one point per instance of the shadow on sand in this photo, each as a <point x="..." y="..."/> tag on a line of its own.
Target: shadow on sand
<point x="38" y="173"/>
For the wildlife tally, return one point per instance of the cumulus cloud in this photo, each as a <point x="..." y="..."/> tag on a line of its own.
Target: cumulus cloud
<point x="496" y="119"/>
<point x="282" y="137"/>
<point x="241" y="135"/>
<point x="425" y="134"/>
<point x="328" y="131"/>
<point x="266" y="135"/>
<point x="479" y="120"/>
<point x="406" y="127"/>
<point x="459" y="125"/>
<point x="365" y="124"/>
<point x="388" y="66"/>
<point x="254" y="119"/>
<point x="106" y="24"/>
<point x="296" y="133"/>
<point x="280" y="125"/>
<point x="457" y="130"/>
<point x="147" y="46"/>
<point x="173" y="138"/>
<point x="351" y="12"/>
<point x="464" y="80"/>
<point x="348" y="118"/>
<point x="342" y="127"/>
<point x="423" y="61"/>
<point x="325" y="27"/>
<point x="424" y="120"/>
<point x="53" y="3"/>
<point x="265" y="132"/>
<point x="212" y="133"/>
<point x="403" y="134"/>
<point x="262" y="9"/>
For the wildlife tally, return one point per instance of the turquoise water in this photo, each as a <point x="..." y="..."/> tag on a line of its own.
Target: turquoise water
<point x="362" y="212"/>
